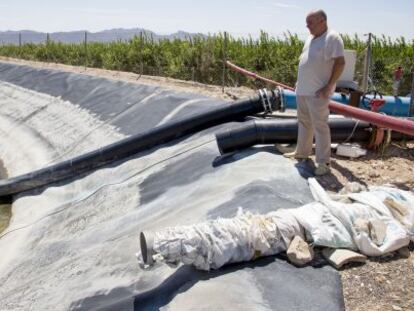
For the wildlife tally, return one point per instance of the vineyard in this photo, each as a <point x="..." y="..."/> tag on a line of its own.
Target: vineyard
<point x="201" y="58"/>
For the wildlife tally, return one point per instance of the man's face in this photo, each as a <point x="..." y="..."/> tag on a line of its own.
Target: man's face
<point x="314" y="24"/>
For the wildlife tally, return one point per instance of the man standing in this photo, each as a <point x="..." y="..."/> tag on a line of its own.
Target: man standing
<point x="397" y="80"/>
<point x="321" y="63"/>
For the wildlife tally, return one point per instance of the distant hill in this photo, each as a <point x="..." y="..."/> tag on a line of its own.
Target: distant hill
<point x="29" y="36"/>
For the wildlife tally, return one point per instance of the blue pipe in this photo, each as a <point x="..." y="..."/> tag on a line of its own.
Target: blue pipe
<point x="394" y="106"/>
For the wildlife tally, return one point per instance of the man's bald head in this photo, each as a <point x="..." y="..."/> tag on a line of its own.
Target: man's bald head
<point x="319" y="14"/>
<point x="316" y="21"/>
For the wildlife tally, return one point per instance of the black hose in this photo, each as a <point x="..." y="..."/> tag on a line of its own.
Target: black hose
<point x="140" y="142"/>
<point x="285" y="131"/>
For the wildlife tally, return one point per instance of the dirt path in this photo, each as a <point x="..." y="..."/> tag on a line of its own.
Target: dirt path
<point x="385" y="283"/>
<point x="169" y="83"/>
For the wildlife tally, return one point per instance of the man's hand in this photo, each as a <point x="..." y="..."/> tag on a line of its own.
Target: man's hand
<point x="325" y="92"/>
<point x="338" y="67"/>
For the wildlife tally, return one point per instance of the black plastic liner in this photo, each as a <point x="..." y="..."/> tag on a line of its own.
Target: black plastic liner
<point x="88" y="231"/>
<point x="136" y="143"/>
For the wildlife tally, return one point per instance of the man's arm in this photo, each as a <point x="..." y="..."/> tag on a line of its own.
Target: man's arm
<point x="338" y="67"/>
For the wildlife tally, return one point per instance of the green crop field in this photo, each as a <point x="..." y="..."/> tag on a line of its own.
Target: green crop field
<point x="201" y="58"/>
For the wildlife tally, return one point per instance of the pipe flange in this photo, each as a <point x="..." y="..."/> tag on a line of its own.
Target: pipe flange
<point x="261" y="95"/>
<point x="281" y="97"/>
<point x="147" y="242"/>
<point x="267" y="106"/>
<point x="388" y="138"/>
<point x="377" y="137"/>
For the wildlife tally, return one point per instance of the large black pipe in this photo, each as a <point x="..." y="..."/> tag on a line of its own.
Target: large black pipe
<point x="140" y="142"/>
<point x="256" y="132"/>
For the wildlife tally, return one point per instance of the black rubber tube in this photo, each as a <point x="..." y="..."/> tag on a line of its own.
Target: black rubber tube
<point x="256" y="132"/>
<point x="137" y="143"/>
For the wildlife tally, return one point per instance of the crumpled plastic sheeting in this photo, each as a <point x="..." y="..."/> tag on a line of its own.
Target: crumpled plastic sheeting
<point x="326" y="222"/>
<point x="212" y="244"/>
<point x="380" y="195"/>
<point x="368" y="205"/>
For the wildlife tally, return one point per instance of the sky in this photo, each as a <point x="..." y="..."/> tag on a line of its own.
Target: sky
<point x="238" y="17"/>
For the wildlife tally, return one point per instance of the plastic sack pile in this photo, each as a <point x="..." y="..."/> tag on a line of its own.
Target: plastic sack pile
<point x="373" y="222"/>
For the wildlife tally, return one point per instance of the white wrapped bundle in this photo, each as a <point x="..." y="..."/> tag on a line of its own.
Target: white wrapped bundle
<point x="212" y="244"/>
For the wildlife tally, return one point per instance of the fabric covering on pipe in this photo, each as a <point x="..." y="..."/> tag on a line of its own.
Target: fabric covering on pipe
<point x="72" y="245"/>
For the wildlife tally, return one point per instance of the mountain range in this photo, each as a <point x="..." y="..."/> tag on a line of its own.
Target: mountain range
<point x="29" y="36"/>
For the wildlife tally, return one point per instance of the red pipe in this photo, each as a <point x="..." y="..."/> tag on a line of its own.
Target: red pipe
<point x="380" y="120"/>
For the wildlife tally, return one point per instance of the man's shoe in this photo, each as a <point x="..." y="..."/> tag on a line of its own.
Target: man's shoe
<point x="294" y="155"/>
<point x="322" y="169"/>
